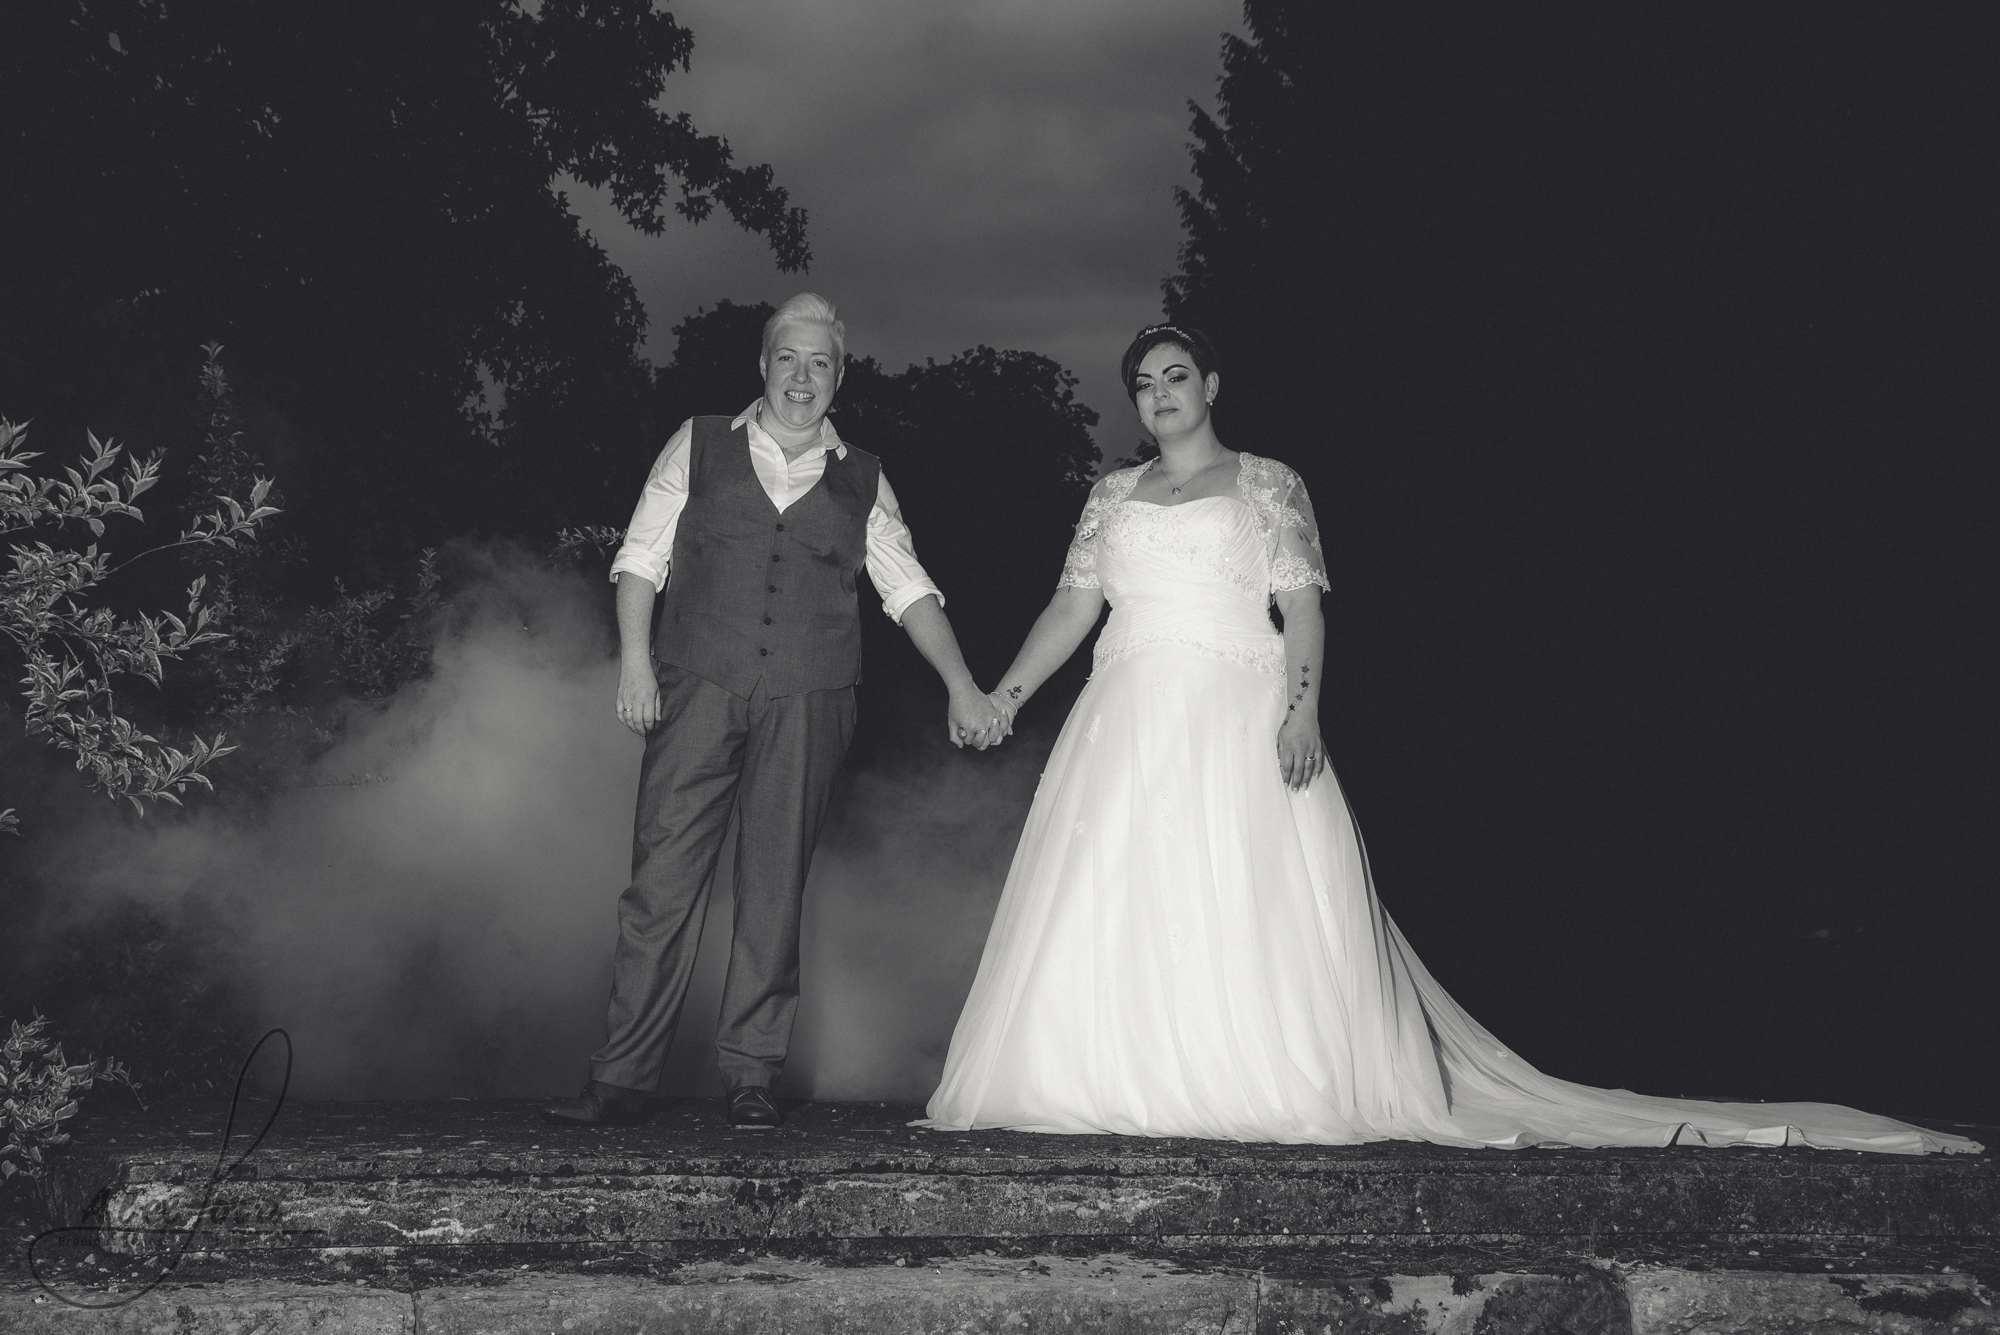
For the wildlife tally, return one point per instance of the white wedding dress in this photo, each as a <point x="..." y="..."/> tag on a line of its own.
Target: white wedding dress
<point x="1186" y="947"/>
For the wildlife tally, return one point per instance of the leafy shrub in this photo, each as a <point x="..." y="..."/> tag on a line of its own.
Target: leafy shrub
<point x="586" y="544"/>
<point x="38" y="1093"/>
<point x="72" y="647"/>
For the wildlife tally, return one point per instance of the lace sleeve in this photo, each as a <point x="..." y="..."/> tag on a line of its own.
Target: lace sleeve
<point x="1080" y="566"/>
<point x="1291" y="535"/>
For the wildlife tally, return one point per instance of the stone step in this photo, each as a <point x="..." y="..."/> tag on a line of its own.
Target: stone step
<point x="461" y="1216"/>
<point x="458" y="1173"/>
<point x="1114" y="1293"/>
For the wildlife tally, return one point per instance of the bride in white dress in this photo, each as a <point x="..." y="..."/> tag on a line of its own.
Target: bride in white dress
<point x="1189" y="942"/>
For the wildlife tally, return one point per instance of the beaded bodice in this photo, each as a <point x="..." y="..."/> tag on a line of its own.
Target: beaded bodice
<point x="1201" y="573"/>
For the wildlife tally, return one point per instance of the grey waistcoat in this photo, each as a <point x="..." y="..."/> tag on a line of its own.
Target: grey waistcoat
<point x="754" y="594"/>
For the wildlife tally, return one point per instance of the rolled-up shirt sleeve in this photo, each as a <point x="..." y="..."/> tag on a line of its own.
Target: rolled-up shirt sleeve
<point x="892" y="556"/>
<point x="648" y="548"/>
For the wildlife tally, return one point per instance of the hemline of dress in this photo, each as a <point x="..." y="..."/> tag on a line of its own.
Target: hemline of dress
<point x="1793" y="1137"/>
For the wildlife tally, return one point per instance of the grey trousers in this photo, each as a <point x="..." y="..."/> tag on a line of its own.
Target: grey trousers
<point x="775" y="761"/>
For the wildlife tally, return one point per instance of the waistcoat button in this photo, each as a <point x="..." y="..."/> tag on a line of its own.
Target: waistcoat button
<point x="775" y="557"/>
<point x="762" y="652"/>
<point x="767" y="621"/>
<point x="781" y="528"/>
<point x="770" y="588"/>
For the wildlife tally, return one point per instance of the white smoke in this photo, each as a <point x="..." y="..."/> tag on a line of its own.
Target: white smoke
<point x="431" y="912"/>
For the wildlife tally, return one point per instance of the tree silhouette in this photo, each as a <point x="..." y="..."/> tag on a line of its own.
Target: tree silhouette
<point x="991" y="457"/>
<point x="364" y="202"/>
<point x="1266" y="180"/>
<point x="1639" y="362"/>
<point x="714" y="366"/>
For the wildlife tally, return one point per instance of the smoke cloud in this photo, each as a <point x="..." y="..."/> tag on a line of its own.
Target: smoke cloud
<point x="431" y="911"/>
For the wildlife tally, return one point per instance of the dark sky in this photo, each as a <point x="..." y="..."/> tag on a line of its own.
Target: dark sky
<point x="991" y="172"/>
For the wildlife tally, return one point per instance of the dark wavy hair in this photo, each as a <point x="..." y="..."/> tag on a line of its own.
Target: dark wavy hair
<point x="1191" y="341"/>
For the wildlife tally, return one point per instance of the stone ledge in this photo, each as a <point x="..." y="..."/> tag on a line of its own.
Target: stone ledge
<point x="411" y="1175"/>
<point x="236" y="1308"/>
<point x="1114" y="1292"/>
<point x="475" y="1217"/>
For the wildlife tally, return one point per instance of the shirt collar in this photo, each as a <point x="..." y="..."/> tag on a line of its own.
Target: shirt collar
<point x="829" y="439"/>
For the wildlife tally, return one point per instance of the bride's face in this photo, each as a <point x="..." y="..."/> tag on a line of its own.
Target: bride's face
<point x="1171" y="399"/>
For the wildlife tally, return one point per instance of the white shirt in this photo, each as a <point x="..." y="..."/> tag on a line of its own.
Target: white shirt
<point x="649" y="543"/>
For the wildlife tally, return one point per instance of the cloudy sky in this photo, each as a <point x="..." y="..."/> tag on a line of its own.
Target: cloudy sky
<point x="977" y="171"/>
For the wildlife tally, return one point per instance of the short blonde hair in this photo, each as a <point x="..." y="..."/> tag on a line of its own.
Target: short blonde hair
<point x="808" y="308"/>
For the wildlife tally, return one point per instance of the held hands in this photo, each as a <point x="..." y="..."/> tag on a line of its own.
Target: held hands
<point x="974" y="720"/>
<point x="1301" y="754"/>
<point x="1008" y="703"/>
<point x="638" y="698"/>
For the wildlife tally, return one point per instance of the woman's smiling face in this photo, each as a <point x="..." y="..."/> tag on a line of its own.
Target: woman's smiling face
<point x="801" y="371"/>
<point x="1172" y="400"/>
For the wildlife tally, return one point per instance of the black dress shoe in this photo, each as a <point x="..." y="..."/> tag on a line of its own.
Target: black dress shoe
<point x="751" y="1106"/>
<point x="599" y="1105"/>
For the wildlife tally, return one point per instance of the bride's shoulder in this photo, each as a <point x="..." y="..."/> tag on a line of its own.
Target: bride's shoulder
<point x="1267" y="474"/>
<point x="1116" y="484"/>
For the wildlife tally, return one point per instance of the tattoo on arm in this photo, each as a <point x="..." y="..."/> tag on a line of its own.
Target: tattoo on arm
<point x="1299" y="696"/>
<point x="1014" y="694"/>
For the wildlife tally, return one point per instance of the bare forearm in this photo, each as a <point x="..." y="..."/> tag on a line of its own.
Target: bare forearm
<point x="930" y="630"/>
<point x="635" y="620"/>
<point x="1055" y="635"/>
<point x="1305" y="652"/>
